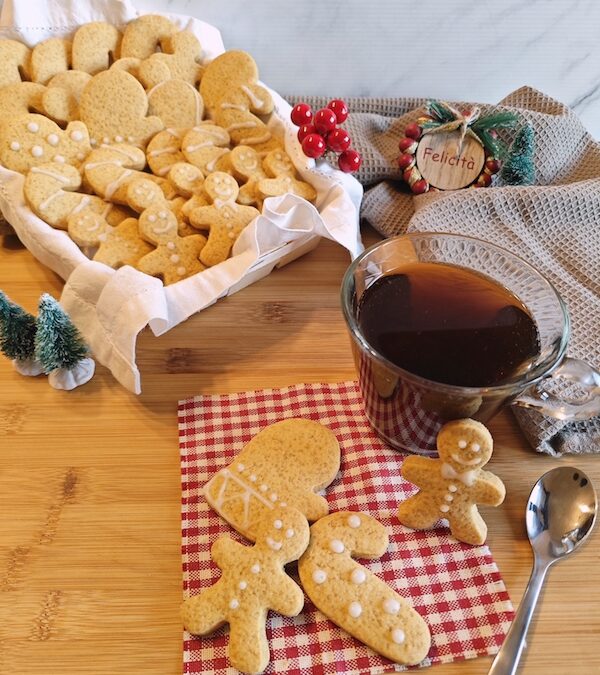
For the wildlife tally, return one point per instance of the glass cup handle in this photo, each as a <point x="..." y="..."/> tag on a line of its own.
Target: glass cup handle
<point x="580" y="408"/>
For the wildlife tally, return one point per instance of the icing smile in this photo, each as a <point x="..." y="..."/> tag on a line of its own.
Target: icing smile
<point x="465" y="462"/>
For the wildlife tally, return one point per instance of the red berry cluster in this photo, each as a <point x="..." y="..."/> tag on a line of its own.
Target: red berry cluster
<point x="320" y="133"/>
<point x="407" y="163"/>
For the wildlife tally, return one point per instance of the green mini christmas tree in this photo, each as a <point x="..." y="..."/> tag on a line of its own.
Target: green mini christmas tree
<point x="518" y="168"/>
<point x="17" y="331"/>
<point x="58" y="343"/>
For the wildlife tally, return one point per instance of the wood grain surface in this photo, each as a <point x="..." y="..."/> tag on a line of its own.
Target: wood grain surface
<point x="90" y="557"/>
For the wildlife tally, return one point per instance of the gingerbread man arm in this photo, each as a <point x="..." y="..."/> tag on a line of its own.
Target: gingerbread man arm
<point x="419" y="470"/>
<point x="312" y="505"/>
<point x="225" y="551"/>
<point x="286" y="596"/>
<point x="204" y="613"/>
<point x="488" y="489"/>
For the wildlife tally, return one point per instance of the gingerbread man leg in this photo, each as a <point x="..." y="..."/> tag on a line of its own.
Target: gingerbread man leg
<point x="248" y="644"/>
<point x="418" y="512"/>
<point x="471" y="530"/>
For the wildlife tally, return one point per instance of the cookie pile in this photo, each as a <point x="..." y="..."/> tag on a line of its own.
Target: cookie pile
<point x="143" y="154"/>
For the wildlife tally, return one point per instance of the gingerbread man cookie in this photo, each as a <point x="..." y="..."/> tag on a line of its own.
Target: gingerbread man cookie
<point x="247" y="169"/>
<point x="117" y="246"/>
<point x="114" y="107"/>
<point x="224" y="219"/>
<point x="352" y="596"/>
<point x="253" y="581"/>
<point x="204" y="145"/>
<point x="31" y="140"/>
<point x="278" y="165"/>
<point x="451" y="487"/>
<point x="284" y="464"/>
<point x="175" y="257"/>
<point x="164" y="151"/>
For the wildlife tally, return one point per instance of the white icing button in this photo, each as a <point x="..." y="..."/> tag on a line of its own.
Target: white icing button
<point x="398" y="636"/>
<point x="170" y="245"/>
<point x="273" y="497"/>
<point x="336" y="546"/>
<point x="462" y="443"/>
<point x="278" y="524"/>
<point x="284" y="504"/>
<point x="37" y="151"/>
<point x="118" y="139"/>
<point x="15" y="145"/>
<point x="106" y="140"/>
<point x="162" y="214"/>
<point x="243" y="585"/>
<point x="319" y="576"/>
<point x="452" y="487"/>
<point x="255" y="569"/>
<point x="354" y="521"/>
<point x="263" y="488"/>
<point x="289" y="533"/>
<point x="391" y="606"/>
<point x="52" y="139"/>
<point x="34" y="127"/>
<point x="252" y="477"/>
<point x="444" y="508"/>
<point x="80" y="156"/>
<point x="58" y="158"/>
<point x="131" y="139"/>
<point x="102" y="237"/>
<point x="358" y="576"/>
<point x="152" y="218"/>
<point x="355" y="610"/>
<point x="93" y="141"/>
<point x="181" y="271"/>
<point x="475" y="447"/>
<point x="234" y="604"/>
<point x="76" y="136"/>
<point x="448" y="497"/>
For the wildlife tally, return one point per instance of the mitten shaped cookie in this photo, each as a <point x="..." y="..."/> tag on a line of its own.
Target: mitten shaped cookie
<point x="284" y="464"/>
<point x="175" y="257"/>
<point x="50" y="57"/>
<point x="278" y="165"/>
<point x="114" y="107"/>
<point x="224" y="219"/>
<point x="352" y="596"/>
<point x="253" y="581"/>
<point x="451" y="487"/>
<point x="31" y="140"/>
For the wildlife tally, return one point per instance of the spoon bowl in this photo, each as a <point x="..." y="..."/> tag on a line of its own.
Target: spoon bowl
<point x="560" y="514"/>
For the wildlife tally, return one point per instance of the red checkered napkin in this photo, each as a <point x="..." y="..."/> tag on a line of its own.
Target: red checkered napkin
<point x="456" y="588"/>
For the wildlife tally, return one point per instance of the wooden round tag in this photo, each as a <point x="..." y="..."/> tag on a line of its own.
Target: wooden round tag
<point x="443" y="166"/>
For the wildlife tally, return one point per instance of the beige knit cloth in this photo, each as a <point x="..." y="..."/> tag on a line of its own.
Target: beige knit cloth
<point x="555" y="224"/>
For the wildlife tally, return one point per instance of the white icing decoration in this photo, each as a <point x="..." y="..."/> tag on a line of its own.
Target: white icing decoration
<point x="273" y="497"/>
<point x="52" y="139"/>
<point x="462" y="443"/>
<point x="181" y="271"/>
<point x="398" y="636"/>
<point x="162" y="214"/>
<point x="358" y="576"/>
<point x="355" y="610"/>
<point x="234" y="604"/>
<point x="15" y="145"/>
<point x="76" y="136"/>
<point x="256" y="102"/>
<point x="52" y="174"/>
<point x="101" y="237"/>
<point x="93" y="141"/>
<point x="242" y="125"/>
<point x="152" y="218"/>
<point x="162" y="151"/>
<point x="468" y="477"/>
<point x="111" y="188"/>
<point x="118" y="139"/>
<point x="58" y="158"/>
<point x="278" y="524"/>
<point x="475" y="447"/>
<point x="131" y="139"/>
<point x="319" y="576"/>
<point x="289" y="533"/>
<point x="444" y="508"/>
<point x="170" y="244"/>
<point x="448" y="497"/>
<point x="34" y="127"/>
<point x="391" y="606"/>
<point x="253" y="478"/>
<point x="243" y="585"/>
<point x="452" y="487"/>
<point x="337" y="546"/>
<point x="37" y="151"/>
<point x="106" y="140"/>
<point x="274" y="544"/>
<point x="175" y="259"/>
<point x="263" y="488"/>
<point x="354" y="521"/>
<point x="241" y="467"/>
<point x="255" y="569"/>
<point x="284" y="504"/>
<point x="233" y="106"/>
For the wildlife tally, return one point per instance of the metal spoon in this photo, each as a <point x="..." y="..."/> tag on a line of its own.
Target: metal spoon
<point x="560" y="514"/>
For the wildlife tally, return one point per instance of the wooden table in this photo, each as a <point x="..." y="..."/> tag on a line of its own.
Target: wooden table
<point x="90" y="561"/>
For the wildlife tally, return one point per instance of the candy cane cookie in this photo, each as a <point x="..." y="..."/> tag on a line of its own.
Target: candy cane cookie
<point x="352" y="596"/>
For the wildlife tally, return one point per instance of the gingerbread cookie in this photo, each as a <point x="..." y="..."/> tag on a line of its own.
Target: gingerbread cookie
<point x="60" y="100"/>
<point x="352" y="596"/>
<point x="187" y="180"/>
<point x="246" y="168"/>
<point x="224" y="219"/>
<point x="204" y="145"/>
<point x="279" y="166"/>
<point x="178" y="60"/>
<point x="145" y="35"/>
<point x="253" y="581"/>
<point x="51" y="192"/>
<point x="164" y="151"/>
<point x="95" y="47"/>
<point x="451" y="487"/>
<point x="114" y="107"/>
<point x="50" y="57"/>
<point x="175" y="257"/>
<point x="20" y="99"/>
<point x="117" y="246"/>
<point x="31" y="140"/>
<point x="284" y="464"/>
<point x="186" y="113"/>
<point x="15" y="60"/>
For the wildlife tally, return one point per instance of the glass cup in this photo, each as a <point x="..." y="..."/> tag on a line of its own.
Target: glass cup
<point x="407" y="410"/>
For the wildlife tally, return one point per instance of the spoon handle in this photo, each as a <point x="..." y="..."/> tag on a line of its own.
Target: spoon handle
<point x="507" y="659"/>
